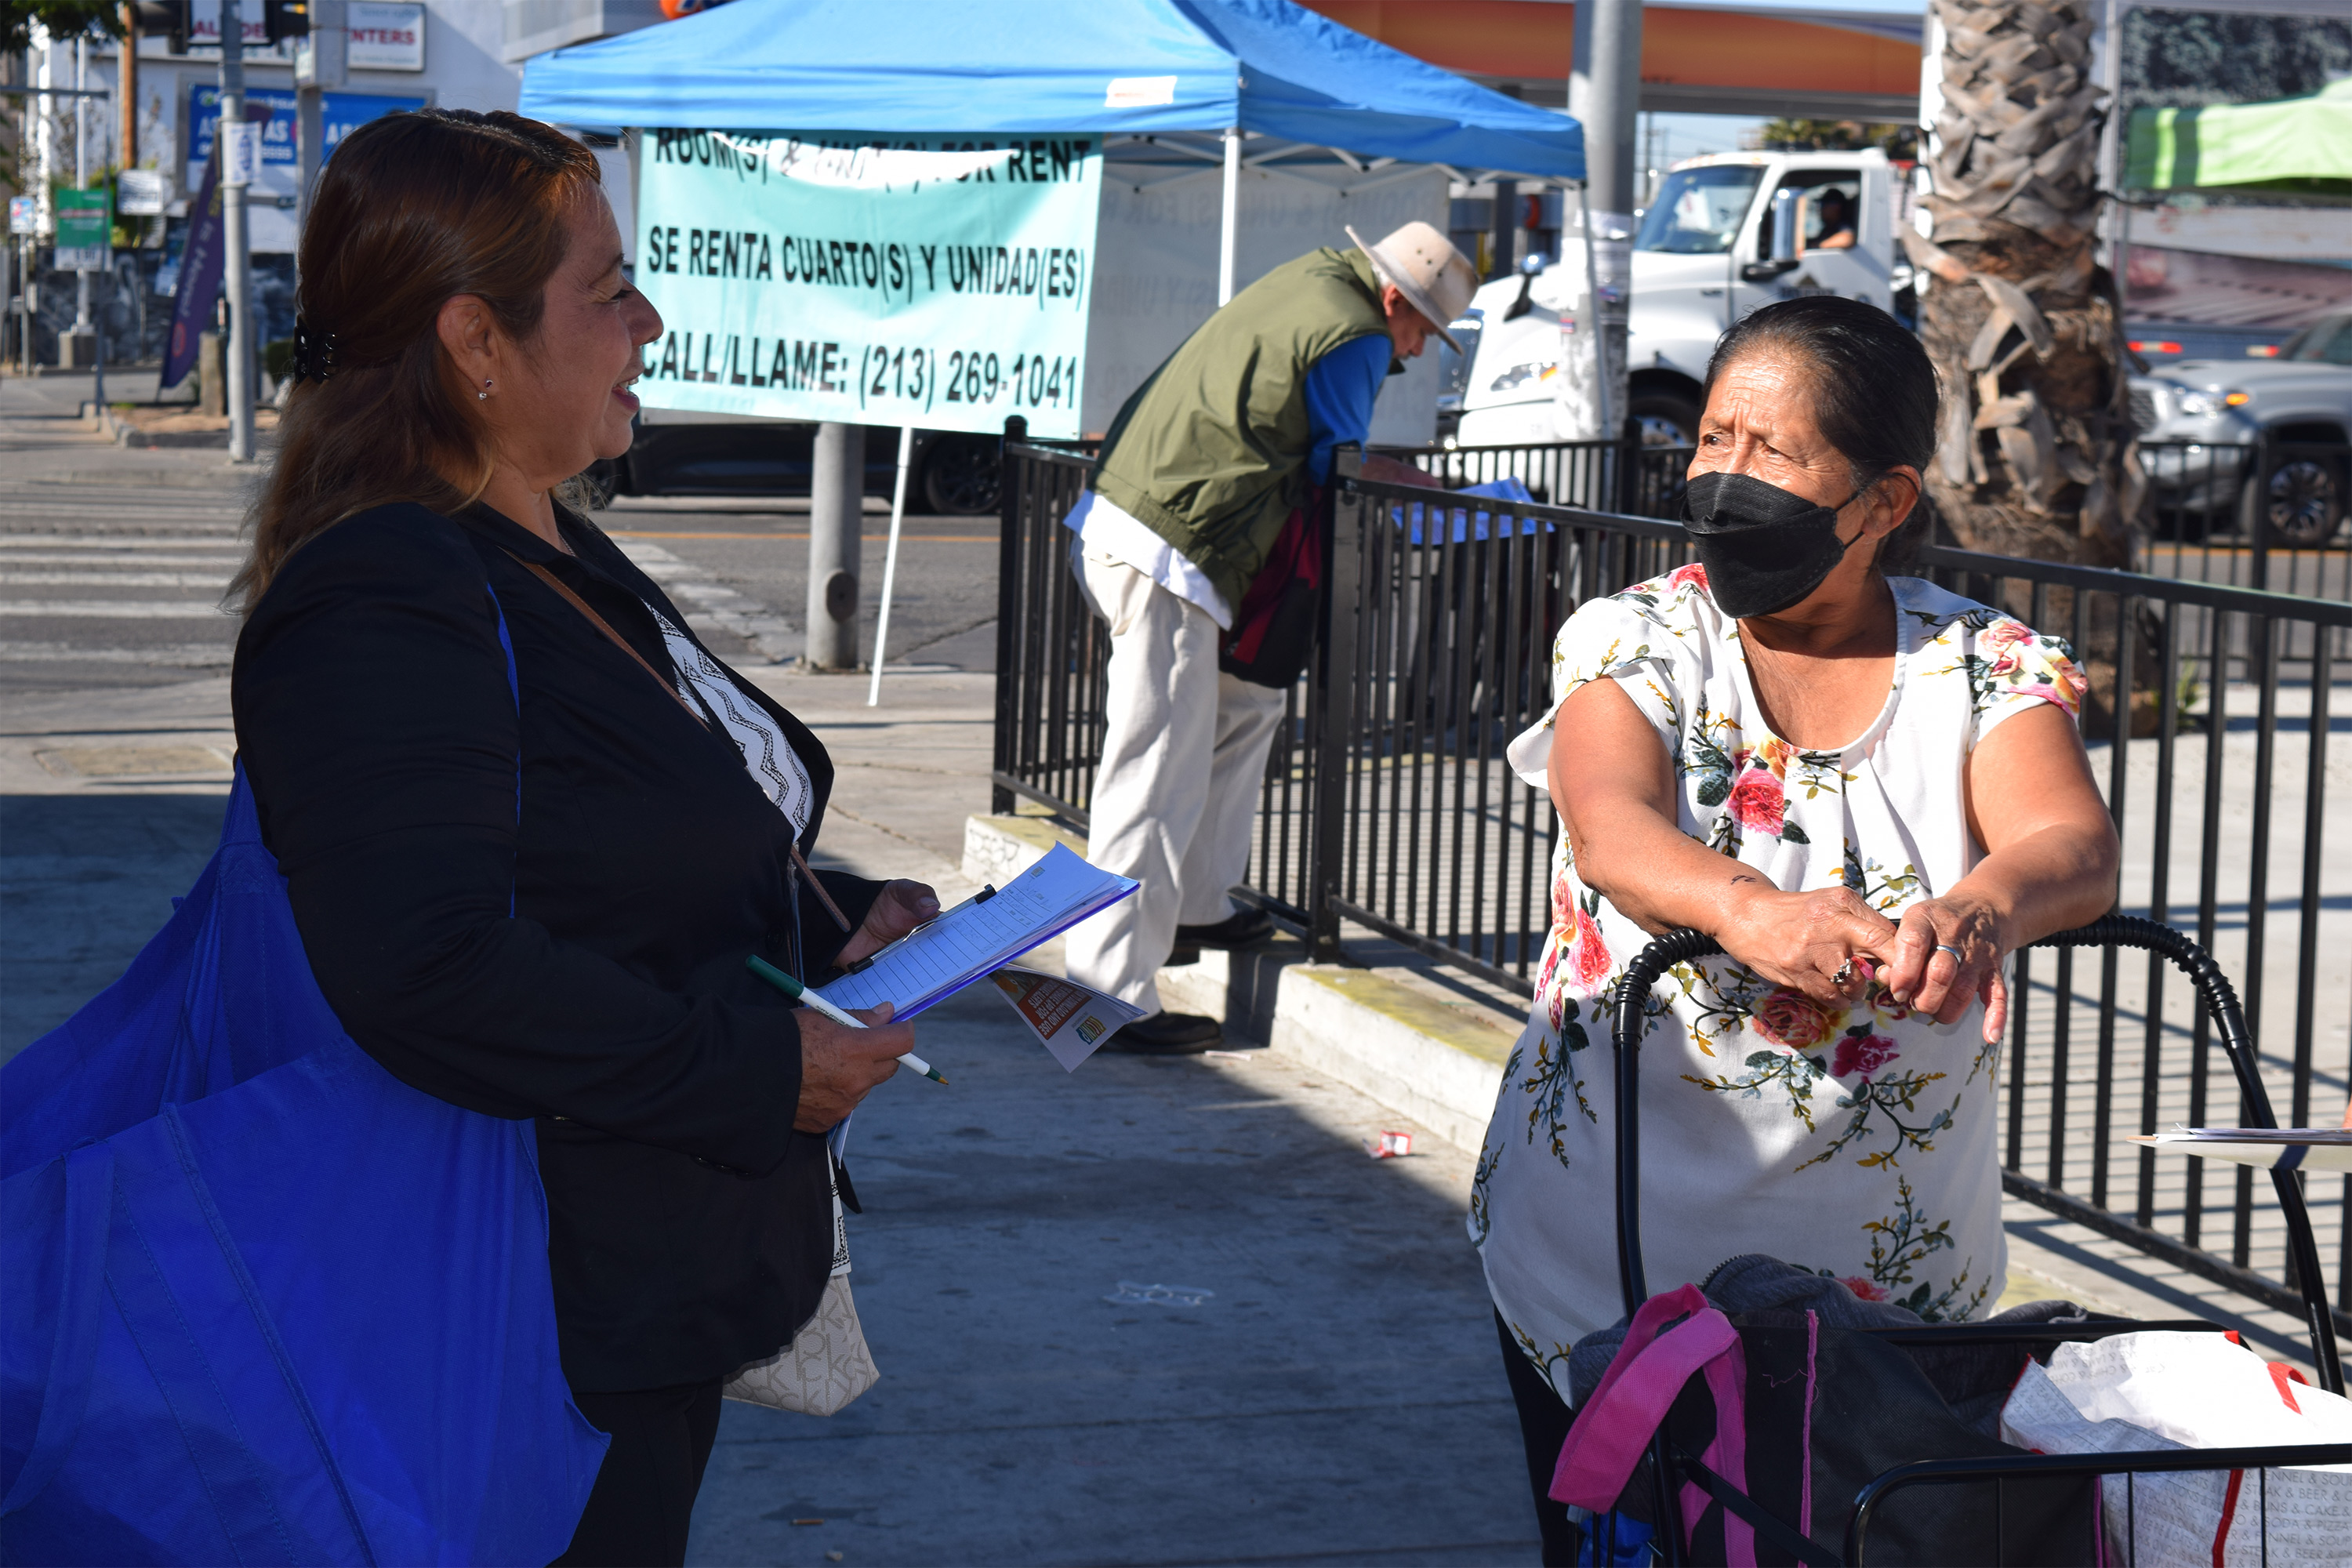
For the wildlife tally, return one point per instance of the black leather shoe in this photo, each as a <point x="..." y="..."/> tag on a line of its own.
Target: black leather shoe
<point x="1167" y="1035"/>
<point x="1246" y="928"/>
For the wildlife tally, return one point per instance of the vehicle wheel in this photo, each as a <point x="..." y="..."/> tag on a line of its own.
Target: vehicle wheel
<point x="2305" y="496"/>
<point x="963" y="475"/>
<point x="1665" y="419"/>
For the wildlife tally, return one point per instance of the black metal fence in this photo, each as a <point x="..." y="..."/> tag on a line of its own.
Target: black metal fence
<point x="1389" y="805"/>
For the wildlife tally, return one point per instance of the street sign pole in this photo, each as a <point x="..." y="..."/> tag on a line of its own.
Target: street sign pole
<point x="1604" y="94"/>
<point x="320" y="61"/>
<point x="239" y="152"/>
<point x="836" y="507"/>
<point x="81" y="170"/>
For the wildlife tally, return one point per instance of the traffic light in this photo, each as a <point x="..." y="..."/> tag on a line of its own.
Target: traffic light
<point x="163" y="18"/>
<point x="286" y="19"/>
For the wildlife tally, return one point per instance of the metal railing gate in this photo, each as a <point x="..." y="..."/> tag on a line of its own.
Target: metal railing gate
<point x="1387" y="802"/>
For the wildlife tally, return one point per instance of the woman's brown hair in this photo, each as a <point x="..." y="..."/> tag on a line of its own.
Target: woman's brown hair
<point x="412" y="209"/>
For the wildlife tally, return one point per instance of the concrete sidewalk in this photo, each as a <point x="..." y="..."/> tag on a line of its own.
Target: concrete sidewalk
<point x="1321" y="1380"/>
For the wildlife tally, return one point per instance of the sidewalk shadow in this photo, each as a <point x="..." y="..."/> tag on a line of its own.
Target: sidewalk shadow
<point x="85" y="881"/>
<point x="1333" y="1392"/>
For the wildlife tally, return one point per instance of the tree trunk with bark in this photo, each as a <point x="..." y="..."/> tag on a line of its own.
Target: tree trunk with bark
<point x="2037" y="453"/>
<point x="2036" y="456"/>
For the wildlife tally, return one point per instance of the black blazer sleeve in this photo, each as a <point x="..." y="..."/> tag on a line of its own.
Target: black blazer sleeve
<point x="376" y="725"/>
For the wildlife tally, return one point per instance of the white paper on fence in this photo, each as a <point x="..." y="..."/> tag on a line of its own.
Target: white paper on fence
<point x="1068" y="1019"/>
<point x="974" y="939"/>
<point x="2170" y="1521"/>
<point x="2265" y="1148"/>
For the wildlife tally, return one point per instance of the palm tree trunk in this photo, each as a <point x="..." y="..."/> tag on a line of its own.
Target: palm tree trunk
<point x="2022" y="326"/>
<point x="2037" y="455"/>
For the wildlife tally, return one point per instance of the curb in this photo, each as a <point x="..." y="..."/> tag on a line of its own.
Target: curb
<point x="1439" y="1064"/>
<point x="101" y="419"/>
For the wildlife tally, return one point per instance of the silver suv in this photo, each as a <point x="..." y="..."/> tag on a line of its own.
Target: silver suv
<point x="2201" y="423"/>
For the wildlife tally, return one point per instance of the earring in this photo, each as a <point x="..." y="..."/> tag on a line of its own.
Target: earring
<point x="485" y="392"/>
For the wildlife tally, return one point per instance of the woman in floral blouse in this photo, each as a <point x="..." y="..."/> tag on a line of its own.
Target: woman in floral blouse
<point x="1870" y="792"/>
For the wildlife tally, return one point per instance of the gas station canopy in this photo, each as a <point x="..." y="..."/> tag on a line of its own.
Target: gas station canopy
<point x="1859" y="60"/>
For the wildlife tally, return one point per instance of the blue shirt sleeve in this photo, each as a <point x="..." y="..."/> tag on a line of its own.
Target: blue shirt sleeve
<point x="1340" y="387"/>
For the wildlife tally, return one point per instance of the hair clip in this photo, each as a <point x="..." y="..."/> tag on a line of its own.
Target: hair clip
<point x="315" y="353"/>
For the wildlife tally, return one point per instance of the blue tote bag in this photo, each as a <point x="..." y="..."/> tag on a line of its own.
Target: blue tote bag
<point x="264" y="1303"/>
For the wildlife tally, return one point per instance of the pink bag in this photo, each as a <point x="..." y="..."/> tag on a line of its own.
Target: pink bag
<point x="1613" y="1430"/>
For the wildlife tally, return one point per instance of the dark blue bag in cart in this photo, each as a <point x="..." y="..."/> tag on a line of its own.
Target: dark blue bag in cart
<point x="264" y="1303"/>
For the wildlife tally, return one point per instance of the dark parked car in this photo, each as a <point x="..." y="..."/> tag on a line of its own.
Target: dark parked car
<point x="953" y="473"/>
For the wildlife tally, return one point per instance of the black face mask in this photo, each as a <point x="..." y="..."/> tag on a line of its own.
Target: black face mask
<point x="1763" y="548"/>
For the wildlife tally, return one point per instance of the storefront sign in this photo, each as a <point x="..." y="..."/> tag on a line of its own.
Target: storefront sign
<point x="141" y="193"/>
<point x="84" y="220"/>
<point x="938" y="281"/>
<point x="384" y="35"/>
<point x="280" y="167"/>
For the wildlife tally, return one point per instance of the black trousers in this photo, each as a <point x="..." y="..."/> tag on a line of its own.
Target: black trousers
<point x="1543" y="1427"/>
<point x="644" y="1498"/>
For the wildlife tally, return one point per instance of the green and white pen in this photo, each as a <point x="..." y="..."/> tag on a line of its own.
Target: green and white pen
<point x="802" y="993"/>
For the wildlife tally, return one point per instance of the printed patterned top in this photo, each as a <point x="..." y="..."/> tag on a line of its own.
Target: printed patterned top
<point x="1858" y="1144"/>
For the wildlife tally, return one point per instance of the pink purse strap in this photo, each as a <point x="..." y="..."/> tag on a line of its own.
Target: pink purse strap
<point x="1649" y="1322"/>
<point x="1614" y="1429"/>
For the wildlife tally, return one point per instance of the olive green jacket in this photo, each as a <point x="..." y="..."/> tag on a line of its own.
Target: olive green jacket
<point x="1209" y="452"/>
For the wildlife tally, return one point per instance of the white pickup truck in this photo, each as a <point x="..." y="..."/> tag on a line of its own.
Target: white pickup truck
<point x="1728" y="232"/>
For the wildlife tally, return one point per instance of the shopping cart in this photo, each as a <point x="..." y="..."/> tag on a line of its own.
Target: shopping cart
<point x="1669" y="1460"/>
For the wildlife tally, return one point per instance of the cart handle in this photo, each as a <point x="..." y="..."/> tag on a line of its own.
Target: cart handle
<point x="2109" y="931"/>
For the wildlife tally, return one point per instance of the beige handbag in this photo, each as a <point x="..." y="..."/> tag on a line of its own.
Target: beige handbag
<point x="827" y="1364"/>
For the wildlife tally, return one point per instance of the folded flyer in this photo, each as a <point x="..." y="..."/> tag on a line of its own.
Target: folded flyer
<point x="1068" y="1019"/>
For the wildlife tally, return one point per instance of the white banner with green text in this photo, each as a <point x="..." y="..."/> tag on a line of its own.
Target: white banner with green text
<point x="938" y="281"/>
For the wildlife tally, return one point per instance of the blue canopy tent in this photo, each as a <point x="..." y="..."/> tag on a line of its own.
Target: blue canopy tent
<point x="1127" y="68"/>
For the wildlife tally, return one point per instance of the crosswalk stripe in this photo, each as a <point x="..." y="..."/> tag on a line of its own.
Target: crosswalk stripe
<point x="13" y="543"/>
<point x="115" y="562"/>
<point x="115" y="579"/>
<point x="113" y="609"/>
<point x="179" y="654"/>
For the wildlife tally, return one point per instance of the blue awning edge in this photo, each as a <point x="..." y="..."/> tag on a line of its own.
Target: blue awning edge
<point x="1114" y="66"/>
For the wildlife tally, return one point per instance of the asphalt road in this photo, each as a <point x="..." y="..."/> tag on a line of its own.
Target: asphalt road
<point x="113" y="563"/>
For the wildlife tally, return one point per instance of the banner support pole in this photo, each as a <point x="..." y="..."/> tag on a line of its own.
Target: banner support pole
<point x="1231" y="213"/>
<point x="890" y="561"/>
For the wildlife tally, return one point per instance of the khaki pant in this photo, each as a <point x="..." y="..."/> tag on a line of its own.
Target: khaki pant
<point x="1183" y="756"/>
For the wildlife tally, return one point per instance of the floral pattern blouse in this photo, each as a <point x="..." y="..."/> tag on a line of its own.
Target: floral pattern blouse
<point x="1858" y="1141"/>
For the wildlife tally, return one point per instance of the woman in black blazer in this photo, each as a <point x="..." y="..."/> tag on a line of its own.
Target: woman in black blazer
<point x="531" y="828"/>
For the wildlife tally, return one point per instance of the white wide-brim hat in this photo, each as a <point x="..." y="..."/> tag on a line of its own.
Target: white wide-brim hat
<point x="1427" y="271"/>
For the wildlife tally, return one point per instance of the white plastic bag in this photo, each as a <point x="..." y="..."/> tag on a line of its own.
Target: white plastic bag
<point x="2139" y="1391"/>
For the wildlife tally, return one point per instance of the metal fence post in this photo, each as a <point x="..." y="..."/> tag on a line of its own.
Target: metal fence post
<point x="1628" y="467"/>
<point x="1332" y="704"/>
<point x="2260" y="540"/>
<point x="1008" y="615"/>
